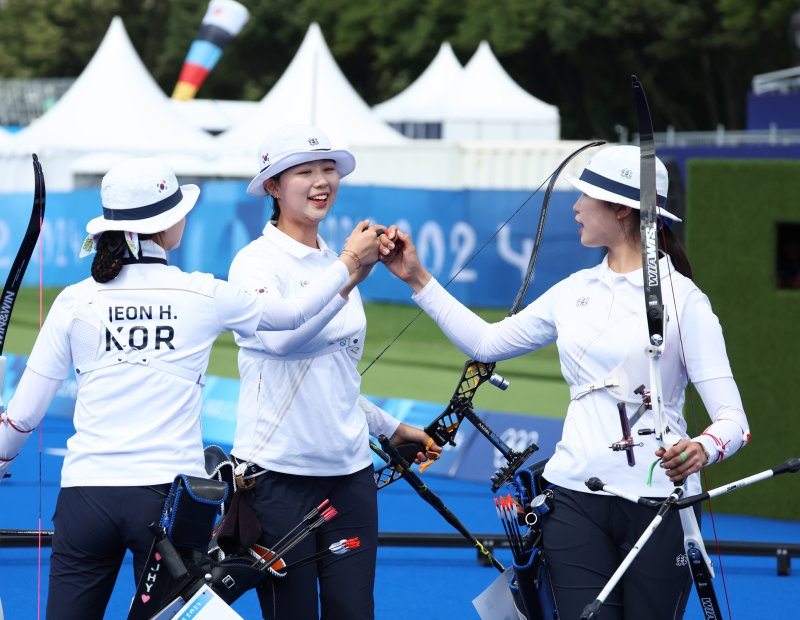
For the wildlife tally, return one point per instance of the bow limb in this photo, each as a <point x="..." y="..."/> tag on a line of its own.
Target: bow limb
<point x="515" y="307"/>
<point x="443" y="429"/>
<point x="699" y="562"/>
<point x="14" y="281"/>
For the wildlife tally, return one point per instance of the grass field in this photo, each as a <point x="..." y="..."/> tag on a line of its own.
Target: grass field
<point x="421" y="364"/>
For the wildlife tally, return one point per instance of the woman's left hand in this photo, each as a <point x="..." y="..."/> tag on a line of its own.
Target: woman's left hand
<point x="429" y="449"/>
<point x="684" y="458"/>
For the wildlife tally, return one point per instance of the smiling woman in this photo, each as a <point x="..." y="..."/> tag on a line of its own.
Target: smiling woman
<point x="302" y="428"/>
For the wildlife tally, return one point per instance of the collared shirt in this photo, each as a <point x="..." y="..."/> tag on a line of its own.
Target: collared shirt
<point x="300" y="409"/>
<point x="596" y="318"/>
<point x="136" y="424"/>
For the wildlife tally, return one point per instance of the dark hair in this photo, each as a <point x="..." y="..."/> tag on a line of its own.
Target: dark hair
<point x="111" y="254"/>
<point x="107" y="262"/>
<point x="276" y="207"/>
<point x="276" y="210"/>
<point x="669" y="243"/>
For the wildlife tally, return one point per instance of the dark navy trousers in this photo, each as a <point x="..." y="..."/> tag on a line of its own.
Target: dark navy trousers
<point x="336" y="588"/>
<point x="586" y="537"/>
<point x="94" y="526"/>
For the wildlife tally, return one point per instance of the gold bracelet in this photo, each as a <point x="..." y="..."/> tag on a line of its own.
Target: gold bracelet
<point x="355" y="257"/>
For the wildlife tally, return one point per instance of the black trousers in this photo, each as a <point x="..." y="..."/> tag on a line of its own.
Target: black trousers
<point x="94" y="526"/>
<point x="586" y="537"/>
<point x="338" y="587"/>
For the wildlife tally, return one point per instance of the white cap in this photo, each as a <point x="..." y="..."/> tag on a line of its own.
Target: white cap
<point x="293" y="145"/>
<point x="612" y="175"/>
<point x="142" y="196"/>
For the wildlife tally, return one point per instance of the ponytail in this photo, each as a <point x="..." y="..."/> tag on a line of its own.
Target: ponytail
<point x="669" y="243"/>
<point x="113" y="254"/>
<point x="108" y="261"/>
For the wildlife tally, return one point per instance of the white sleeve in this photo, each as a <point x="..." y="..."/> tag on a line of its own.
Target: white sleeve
<point x="379" y="422"/>
<point x="702" y="340"/>
<point x="291" y="313"/>
<point x="26" y="409"/>
<point x="280" y="313"/>
<point x="729" y="430"/>
<point x="530" y="329"/>
<point x="286" y="342"/>
<point x="51" y="355"/>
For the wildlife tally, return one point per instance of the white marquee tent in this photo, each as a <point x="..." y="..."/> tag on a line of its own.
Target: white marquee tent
<point x="312" y="90"/>
<point x="214" y="115"/>
<point x="424" y="101"/>
<point x="113" y="110"/>
<point x="487" y="104"/>
<point x="477" y="102"/>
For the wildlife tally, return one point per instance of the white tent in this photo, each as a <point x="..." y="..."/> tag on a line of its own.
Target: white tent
<point x="114" y="107"/>
<point x="487" y="104"/>
<point x="424" y="101"/>
<point x="312" y="90"/>
<point x="214" y="115"/>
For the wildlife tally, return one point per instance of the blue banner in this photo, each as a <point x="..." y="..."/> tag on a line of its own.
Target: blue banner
<point x="449" y="228"/>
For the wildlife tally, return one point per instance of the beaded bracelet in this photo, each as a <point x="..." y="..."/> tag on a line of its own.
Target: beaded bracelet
<point x="355" y="257"/>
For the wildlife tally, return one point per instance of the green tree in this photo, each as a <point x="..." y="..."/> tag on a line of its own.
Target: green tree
<point x="696" y="58"/>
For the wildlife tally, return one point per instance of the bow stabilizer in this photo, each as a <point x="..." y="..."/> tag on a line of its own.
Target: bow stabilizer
<point x="393" y="458"/>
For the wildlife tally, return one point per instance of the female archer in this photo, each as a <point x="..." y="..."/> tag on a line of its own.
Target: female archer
<point x="303" y="428"/>
<point x="138" y="334"/>
<point x="596" y="318"/>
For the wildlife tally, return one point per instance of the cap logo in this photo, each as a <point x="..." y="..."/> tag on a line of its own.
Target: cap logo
<point x="313" y="142"/>
<point x="626" y="173"/>
<point x="265" y="158"/>
<point x="161" y="186"/>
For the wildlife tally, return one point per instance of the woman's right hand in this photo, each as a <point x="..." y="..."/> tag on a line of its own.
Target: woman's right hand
<point x="361" y="249"/>
<point x="405" y="264"/>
